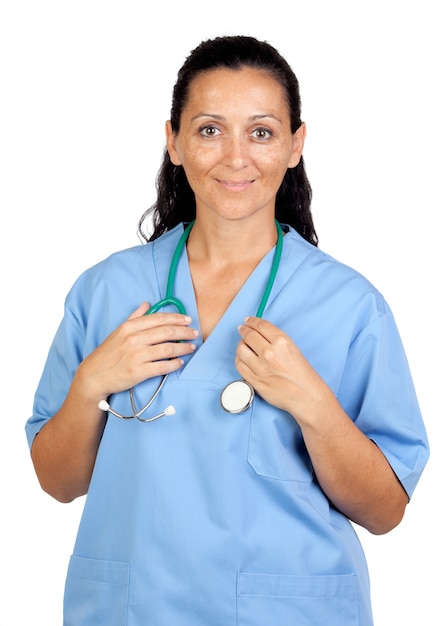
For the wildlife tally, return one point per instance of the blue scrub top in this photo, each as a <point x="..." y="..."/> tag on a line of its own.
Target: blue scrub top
<point x="205" y="518"/>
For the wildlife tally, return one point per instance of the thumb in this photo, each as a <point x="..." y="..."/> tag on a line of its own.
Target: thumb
<point x="140" y="311"/>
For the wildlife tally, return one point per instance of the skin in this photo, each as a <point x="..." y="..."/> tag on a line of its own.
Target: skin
<point x="235" y="144"/>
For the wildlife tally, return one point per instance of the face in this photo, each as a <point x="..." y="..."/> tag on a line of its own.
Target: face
<point x="235" y="142"/>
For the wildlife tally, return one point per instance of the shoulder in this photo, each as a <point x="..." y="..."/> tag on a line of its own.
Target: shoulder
<point x="320" y="274"/>
<point x="129" y="274"/>
<point x="133" y="260"/>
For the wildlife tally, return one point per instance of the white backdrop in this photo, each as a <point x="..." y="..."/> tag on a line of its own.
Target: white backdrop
<point x="85" y="91"/>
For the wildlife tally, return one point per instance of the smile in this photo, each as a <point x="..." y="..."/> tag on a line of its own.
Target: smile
<point x="235" y="185"/>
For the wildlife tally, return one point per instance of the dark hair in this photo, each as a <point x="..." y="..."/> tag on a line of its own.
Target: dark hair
<point x="175" y="199"/>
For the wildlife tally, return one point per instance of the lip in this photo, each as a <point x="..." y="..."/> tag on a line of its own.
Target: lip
<point x="235" y="185"/>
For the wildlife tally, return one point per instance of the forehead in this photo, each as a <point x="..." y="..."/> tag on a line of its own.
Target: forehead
<point x="248" y="85"/>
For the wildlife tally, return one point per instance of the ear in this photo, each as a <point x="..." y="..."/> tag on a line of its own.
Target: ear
<point x="297" y="145"/>
<point x="171" y="144"/>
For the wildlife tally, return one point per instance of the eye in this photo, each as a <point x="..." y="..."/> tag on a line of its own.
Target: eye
<point x="209" y="131"/>
<point x="261" y="133"/>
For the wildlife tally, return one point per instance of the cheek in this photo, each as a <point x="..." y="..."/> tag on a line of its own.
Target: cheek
<point x="275" y="168"/>
<point x="197" y="162"/>
<point x="276" y="159"/>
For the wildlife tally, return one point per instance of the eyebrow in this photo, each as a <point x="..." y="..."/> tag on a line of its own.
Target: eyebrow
<point x="252" y="118"/>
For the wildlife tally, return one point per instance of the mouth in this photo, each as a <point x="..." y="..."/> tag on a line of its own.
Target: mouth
<point x="235" y="185"/>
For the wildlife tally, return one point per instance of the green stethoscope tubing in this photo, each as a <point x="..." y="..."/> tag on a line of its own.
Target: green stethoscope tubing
<point x="169" y="298"/>
<point x="238" y="395"/>
<point x="273" y="272"/>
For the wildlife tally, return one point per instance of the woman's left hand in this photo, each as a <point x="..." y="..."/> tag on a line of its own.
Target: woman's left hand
<point x="271" y="362"/>
<point x="351" y="470"/>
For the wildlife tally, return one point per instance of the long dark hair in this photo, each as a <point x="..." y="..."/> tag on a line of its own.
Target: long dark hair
<point x="175" y="199"/>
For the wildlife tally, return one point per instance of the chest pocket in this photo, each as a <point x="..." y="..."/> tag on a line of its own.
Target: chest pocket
<point x="276" y="447"/>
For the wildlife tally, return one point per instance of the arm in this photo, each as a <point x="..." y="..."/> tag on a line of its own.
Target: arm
<point x="351" y="470"/>
<point x="65" y="449"/>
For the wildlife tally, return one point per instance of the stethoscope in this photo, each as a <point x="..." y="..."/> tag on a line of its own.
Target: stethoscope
<point x="238" y="395"/>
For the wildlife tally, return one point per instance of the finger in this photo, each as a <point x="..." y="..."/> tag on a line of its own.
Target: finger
<point x="242" y="364"/>
<point x="167" y="333"/>
<point x="165" y="323"/>
<point x="253" y="339"/>
<point x="167" y="319"/>
<point x="263" y="327"/>
<point x="141" y="310"/>
<point x="159" y="318"/>
<point x="168" y="351"/>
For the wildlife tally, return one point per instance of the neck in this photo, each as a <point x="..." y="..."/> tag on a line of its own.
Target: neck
<point x="220" y="262"/>
<point x="231" y="242"/>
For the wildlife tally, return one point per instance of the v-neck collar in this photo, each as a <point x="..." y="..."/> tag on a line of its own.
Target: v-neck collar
<point x="218" y="351"/>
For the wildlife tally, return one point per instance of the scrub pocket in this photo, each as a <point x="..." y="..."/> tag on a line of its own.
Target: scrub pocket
<point x="96" y="592"/>
<point x="272" y="600"/>
<point x="276" y="447"/>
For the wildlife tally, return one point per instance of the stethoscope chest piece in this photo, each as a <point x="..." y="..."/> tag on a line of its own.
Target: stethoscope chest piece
<point x="237" y="396"/>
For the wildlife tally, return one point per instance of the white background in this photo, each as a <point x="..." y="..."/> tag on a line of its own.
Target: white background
<point x="85" y="91"/>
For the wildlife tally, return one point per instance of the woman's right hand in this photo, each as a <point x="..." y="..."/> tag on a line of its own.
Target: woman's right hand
<point x="142" y="347"/>
<point x="65" y="449"/>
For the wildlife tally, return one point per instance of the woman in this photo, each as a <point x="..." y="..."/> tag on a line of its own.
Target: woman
<point x="234" y="507"/>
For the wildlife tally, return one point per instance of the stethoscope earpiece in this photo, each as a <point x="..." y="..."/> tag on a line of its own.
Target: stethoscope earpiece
<point x="103" y="405"/>
<point x="170" y="410"/>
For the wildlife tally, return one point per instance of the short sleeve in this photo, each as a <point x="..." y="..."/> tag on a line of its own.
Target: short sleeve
<point x="378" y="393"/>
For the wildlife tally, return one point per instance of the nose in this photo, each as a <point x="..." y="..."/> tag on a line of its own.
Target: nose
<point x="237" y="152"/>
